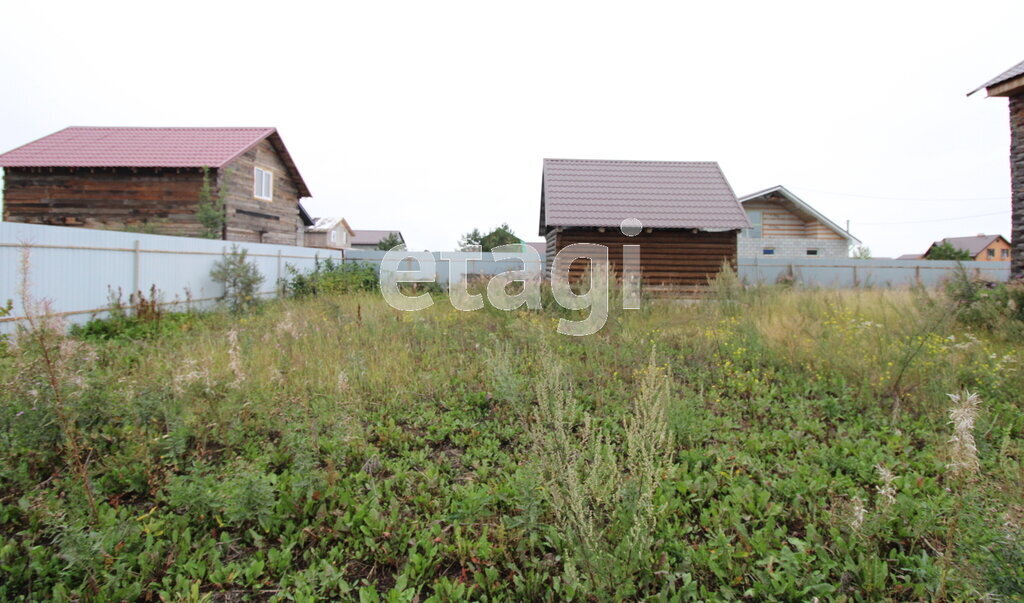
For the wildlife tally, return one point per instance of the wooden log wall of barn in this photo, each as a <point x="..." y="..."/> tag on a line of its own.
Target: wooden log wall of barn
<point x="671" y="257"/>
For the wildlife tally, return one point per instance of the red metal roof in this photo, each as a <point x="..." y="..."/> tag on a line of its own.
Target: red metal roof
<point x="661" y="194"/>
<point x="146" y="147"/>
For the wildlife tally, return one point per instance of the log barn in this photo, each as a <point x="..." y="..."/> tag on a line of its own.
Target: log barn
<point x="689" y="216"/>
<point x="151" y="179"/>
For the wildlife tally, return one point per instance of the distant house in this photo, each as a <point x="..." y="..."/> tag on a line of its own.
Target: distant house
<point x="369" y="239"/>
<point x="688" y="215"/>
<point x="784" y="225"/>
<point x="910" y="256"/>
<point x="1010" y="84"/>
<point x="982" y="247"/>
<point x="151" y="178"/>
<point x="329" y="233"/>
<point x="541" y="247"/>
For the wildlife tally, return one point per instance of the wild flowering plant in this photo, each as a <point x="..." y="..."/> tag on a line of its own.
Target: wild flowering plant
<point x="51" y="367"/>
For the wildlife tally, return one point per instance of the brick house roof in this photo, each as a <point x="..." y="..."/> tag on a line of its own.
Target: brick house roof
<point x="661" y="194"/>
<point x="87" y="147"/>
<point x="801" y="207"/>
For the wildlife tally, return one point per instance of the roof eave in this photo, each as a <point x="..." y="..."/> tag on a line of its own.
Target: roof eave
<point x="306" y="219"/>
<point x="1010" y="87"/>
<point x="278" y="143"/>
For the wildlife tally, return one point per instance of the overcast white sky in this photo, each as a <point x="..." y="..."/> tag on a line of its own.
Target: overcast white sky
<point x="433" y="117"/>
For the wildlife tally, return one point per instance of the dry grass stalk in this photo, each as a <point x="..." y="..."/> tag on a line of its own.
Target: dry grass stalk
<point x="887" y="491"/>
<point x="963" y="452"/>
<point x="858" y="513"/>
<point x="235" y="359"/>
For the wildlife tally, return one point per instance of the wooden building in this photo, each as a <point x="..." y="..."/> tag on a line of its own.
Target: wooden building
<point x="784" y="225"/>
<point x="1010" y="84"/>
<point x="329" y="233"/>
<point x="688" y="216"/>
<point x="152" y="179"/>
<point x="982" y="247"/>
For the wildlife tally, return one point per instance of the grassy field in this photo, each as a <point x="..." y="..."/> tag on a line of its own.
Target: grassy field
<point x="766" y="444"/>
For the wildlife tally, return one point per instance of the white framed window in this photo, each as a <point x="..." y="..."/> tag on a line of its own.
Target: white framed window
<point x="755" y="230"/>
<point x="262" y="184"/>
<point x="334" y="236"/>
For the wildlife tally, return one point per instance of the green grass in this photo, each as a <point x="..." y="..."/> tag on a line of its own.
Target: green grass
<point x="331" y="447"/>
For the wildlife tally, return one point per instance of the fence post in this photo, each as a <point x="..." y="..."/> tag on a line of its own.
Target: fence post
<point x="856" y="281"/>
<point x="278" y="287"/>
<point x="135" y="269"/>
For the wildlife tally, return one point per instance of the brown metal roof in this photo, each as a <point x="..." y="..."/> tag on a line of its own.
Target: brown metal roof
<point x="972" y="245"/>
<point x="1015" y="71"/>
<point x="147" y="147"/>
<point x="372" y="237"/>
<point x="661" y="194"/>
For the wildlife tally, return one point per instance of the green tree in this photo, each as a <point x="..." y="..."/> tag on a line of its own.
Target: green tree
<point x="501" y="235"/>
<point x="240" y="278"/>
<point x="861" y="253"/>
<point x="390" y="242"/>
<point x="210" y="211"/>
<point x="946" y="251"/>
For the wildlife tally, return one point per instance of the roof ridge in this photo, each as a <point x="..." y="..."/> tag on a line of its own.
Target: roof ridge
<point x="659" y="161"/>
<point x="208" y="128"/>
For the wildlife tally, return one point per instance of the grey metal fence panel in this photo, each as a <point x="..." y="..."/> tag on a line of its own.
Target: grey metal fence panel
<point x="487" y="265"/>
<point x="848" y="272"/>
<point x="76" y="269"/>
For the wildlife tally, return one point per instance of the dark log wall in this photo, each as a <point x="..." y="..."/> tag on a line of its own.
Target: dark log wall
<point x="158" y="200"/>
<point x="255" y="220"/>
<point x="678" y="258"/>
<point x="1017" y="179"/>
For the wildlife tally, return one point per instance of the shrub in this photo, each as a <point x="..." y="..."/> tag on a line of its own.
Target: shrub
<point x="602" y="492"/>
<point x="329" y="276"/>
<point x="141" y="318"/>
<point x="5" y="311"/>
<point x="240" y="278"/>
<point x="984" y="304"/>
